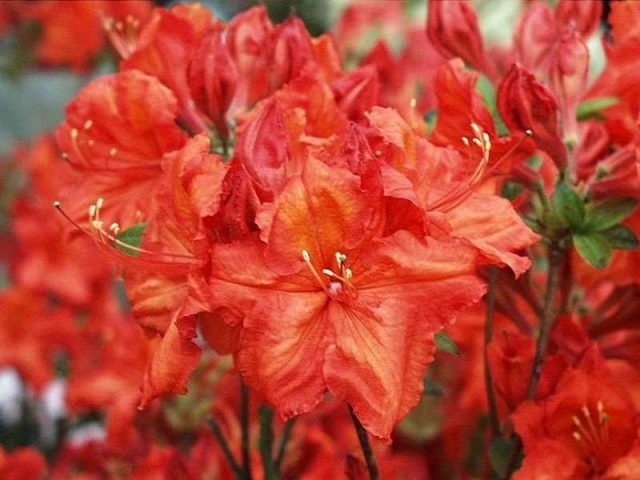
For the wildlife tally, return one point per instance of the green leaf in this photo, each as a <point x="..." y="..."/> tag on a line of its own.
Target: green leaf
<point x="603" y="215"/>
<point x="593" y="248"/>
<point x="445" y="343"/>
<point x="568" y="206"/>
<point x="621" y="237"/>
<point x="131" y="236"/>
<point x="488" y="93"/>
<point x="500" y="453"/>
<point x="593" y="108"/>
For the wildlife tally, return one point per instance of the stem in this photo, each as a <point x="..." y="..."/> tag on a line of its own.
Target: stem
<point x="366" y="447"/>
<point x="286" y="436"/>
<point x="556" y="255"/>
<point x="217" y="432"/>
<point x="244" y="425"/>
<point x="488" y="334"/>
<point x="266" y="442"/>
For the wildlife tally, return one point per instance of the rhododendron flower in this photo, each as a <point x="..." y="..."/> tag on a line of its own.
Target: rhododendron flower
<point x="327" y="306"/>
<point x="587" y="428"/>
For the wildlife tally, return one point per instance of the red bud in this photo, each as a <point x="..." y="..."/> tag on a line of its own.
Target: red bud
<point x="452" y="27"/>
<point x="569" y="72"/>
<point x="526" y="104"/>
<point x="581" y="16"/>
<point x="212" y="80"/>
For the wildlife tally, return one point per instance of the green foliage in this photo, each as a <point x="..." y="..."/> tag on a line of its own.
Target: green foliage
<point x="445" y="343"/>
<point x="500" y="453"/>
<point x="608" y="213"/>
<point x="131" y="236"/>
<point x="593" y="248"/>
<point x="568" y="206"/>
<point x="592" y="109"/>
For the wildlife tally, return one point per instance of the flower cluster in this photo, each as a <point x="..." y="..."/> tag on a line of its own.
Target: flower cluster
<point x="313" y="218"/>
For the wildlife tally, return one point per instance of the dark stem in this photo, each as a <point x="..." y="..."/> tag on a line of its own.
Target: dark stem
<point x="366" y="447"/>
<point x="266" y="442"/>
<point x="282" y="449"/>
<point x="217" y="432"/>
<point x="488" y="335"/>
<point x="244" y="425"/>
<point x="556" y="255"/>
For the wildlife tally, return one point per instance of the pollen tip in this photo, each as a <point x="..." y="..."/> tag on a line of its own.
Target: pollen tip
<point x="529" y="132"/>
<point x="305" y="256"/>
<point x="328" y="272"/>
<point x="56" y="204"/>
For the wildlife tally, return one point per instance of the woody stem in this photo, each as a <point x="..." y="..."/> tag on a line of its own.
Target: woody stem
<point x="488" y="334"/>
<point x="556" y="255"/>
<point x="556" y="259"/>
<point x="244" y="425"/>
<point x="366" y="447"/>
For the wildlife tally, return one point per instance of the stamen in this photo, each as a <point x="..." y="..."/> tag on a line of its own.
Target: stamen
<point x="307" y="258"/>
<point x="74" y="133"/>
<point x="88" y="124"/>
<point x="577" y="436"/>
<point x="413" y="102"/>
<point x="465" y="140"/>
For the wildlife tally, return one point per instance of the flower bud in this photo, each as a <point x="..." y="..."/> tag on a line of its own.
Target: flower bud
<point x="569" y="72"/>
<point x="212" y="80"/>
<point x="526" y="104"/>
<point x="452" y="27"/>
<point x="581" y="17"/>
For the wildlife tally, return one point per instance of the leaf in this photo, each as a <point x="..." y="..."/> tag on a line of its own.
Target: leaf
<point x="593" y="108"/>
<point x="621" y="238"/>
<point x="568" y="206"/>
<point x="488" y="93"/>
<point x="593" y="248"/>
<point x="500" y="453"/>
<point x="445" y="343"/>
<point x="604" y="215"/>
<point x="131" y="236"/>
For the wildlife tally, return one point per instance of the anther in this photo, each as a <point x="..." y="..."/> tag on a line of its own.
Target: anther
<point x="465" y="140"/>
<point x="74" y="133"/>
<point x="92" y="211"/>
<point x="56" y="204"/>
<point x="529" y="132"/>
<point x="348" y="274"/>
<point x="413" y="102"/>
<point x="477" y="141"/>
<point x="329" y="273"/>
<point x="113" y="151"/>
<point x="88" y="124"/>
<point x="305" y="256"/>
<point x="64" y="155"/>
<point x="577" y="436"/>
<point x="99" y="203"/>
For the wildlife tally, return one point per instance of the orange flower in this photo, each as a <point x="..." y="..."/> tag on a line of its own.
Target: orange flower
<point x="328" y="306"/>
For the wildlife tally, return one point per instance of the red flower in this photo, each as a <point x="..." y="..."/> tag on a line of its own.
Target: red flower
<point x="328" y="307"/>
<point x="116" y="131"/>
<point x="587" y="428"/>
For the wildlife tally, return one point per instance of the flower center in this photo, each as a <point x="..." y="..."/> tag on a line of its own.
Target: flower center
<point x="339" y="284"/>
<point x="591" y="432"/>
